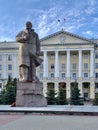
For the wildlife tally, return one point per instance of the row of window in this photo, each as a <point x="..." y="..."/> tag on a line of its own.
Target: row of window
<point x="9" y="57"/>
<point x="9" y="75"/>
<point x="63" y="76"/>
<point x="52" y="56"/>
<point x="9" y="67"/>
<point x="74" y="66"/>
<point x="73" y="55"/>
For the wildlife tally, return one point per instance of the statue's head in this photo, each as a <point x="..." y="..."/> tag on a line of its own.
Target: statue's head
<point x="28" y="25"/>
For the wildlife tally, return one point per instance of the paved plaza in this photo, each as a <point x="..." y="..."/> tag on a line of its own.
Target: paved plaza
<point x="48" y="122"/>
<point x="15" y="119"/>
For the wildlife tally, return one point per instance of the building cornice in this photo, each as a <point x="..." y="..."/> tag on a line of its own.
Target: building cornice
<point x="67" y="44"/>
<point x="7" y="48"/>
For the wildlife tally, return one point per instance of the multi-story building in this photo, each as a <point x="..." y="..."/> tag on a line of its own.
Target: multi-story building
<point x="8" y="61"/>
<point x="66" y="57"/>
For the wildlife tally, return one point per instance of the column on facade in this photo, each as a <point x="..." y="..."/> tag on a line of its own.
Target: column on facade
<point x="45" y="88"/>
<point x="5" y="76"/>
<point x="80" y="64"/>
<point x="56" y="64"/>
<point x="80" y="88"/>
<point x="92" y="90"/>
<point x="68" y="90"/>
<point x="56" y="87"/>
<point x="92" y="63"/>
<point x="68" y="64"/>
<point x="45" y="65"/>
<point x="15" y="65"/>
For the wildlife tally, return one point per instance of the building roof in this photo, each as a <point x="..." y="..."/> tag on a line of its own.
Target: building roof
<point x="68" y="33"/>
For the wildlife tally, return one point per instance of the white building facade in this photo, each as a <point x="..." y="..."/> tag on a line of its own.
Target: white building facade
<point x="66" y="58"/>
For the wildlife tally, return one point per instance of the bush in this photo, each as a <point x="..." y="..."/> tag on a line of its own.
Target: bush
<point x="8" y="93"/>
<point x="95" y="101"/>
<point x="75" y="95"/>
<point x="51" y="99"/>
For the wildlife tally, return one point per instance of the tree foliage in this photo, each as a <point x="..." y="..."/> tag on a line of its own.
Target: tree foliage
<point x="51" y="99"/>
<point x="75" y="95"/>
<point x="95" y="102"/>
<point x="8" y="93"/>
<point x="61" y="99"/>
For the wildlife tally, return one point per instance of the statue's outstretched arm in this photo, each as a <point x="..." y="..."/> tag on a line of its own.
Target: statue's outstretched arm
<point x="22" y="37"/>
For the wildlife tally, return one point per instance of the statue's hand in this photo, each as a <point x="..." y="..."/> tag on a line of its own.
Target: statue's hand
<point x="25" y="37"/>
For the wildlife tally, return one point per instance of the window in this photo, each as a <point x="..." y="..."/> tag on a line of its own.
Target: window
<point x="85" y="56"/>
<point x="9" y="67"/>
<point x="85" y="65"/>
<point x="0" y="85"/>
<point x="0" y="76"/>
<point x="63" y="75"/>
<point x="10" y="75"/>
<point x="9" y="57"/>
<point x="63" y="56"/>
<point x="74" y="76"/>
<point x="74" y="66"/>
<point x="52" y="66"/>
<point x="74" y="56"/>
<point x="51" y="56"/>
<point x="85" y="96"/>
<point x="96" y="85"/>
<point x="96" y="75"/>
<point x="63" y="66"/>
<point x="0" y="57"/>
<point x="85" y="75"/>
<point x="52" y="75"/>
<point x="41" y="75"/>
<point x="0" y="67"/>
<point x="41" y="66"/>
<point x="96" y="56"/>
<point x="96" y="65"/>
<point x="96" y="95"/>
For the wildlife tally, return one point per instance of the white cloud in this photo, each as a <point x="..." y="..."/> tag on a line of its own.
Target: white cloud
<point x="88" y="32"/>
<point x="45" y="20"/>
<point x="90" y="10"/>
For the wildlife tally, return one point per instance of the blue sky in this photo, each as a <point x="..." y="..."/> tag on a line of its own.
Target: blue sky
<point x="81" y="17"/>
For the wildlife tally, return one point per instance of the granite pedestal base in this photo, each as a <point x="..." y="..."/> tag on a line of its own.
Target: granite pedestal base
<point x="30" y="95"/>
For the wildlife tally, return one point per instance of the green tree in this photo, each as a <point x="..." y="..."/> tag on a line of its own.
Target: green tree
<point x="61" y="99"/>
<point x="2" y="97"/>
<point x="8" y="93"/>
<point x="75" y="95"/>
<point x="51" y="99"/>
<point x="95" y="102"/>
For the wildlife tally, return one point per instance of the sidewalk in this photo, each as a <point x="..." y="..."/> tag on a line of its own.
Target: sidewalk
<point x="51" y="109"/>
<point x="48" y="122"/>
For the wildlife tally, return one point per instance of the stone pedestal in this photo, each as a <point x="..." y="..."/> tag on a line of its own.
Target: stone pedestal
<point x="30" y="95"/>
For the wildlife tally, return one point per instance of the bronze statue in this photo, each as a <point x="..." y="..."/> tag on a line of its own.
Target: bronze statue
<point x="29" y="52"/>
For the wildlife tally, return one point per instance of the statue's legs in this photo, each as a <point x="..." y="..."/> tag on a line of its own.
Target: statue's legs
<point x="33" y="72"/>
<point x="23" y="72"/>
<point x="34" y="77"/>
